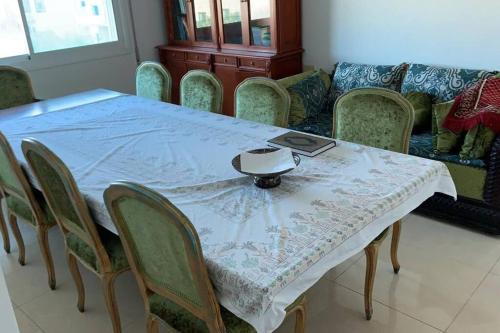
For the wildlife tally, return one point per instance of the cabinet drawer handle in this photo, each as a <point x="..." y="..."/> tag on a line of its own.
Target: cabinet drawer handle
<point x="252" y="63"/>
<point x="225" y="60"/>
<point x="197" y="57"/>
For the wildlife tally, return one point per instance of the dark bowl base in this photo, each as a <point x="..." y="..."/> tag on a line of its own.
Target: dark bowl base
<point x="267" y="182"/>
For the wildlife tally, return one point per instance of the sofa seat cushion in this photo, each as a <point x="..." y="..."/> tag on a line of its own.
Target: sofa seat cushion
<point x="321" y="124"/>
<point x="111" y="243"/>
<point x="421" y="145"/>
<point x="443" y="84"/>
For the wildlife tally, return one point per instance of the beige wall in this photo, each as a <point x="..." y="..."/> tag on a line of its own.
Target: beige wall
<point x="460" y="33"/>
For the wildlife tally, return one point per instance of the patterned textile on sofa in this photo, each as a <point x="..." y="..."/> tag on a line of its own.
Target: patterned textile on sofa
<point x="443" y="84"/>
<point x="421" y="145"/>
<point x="321" y="124"/>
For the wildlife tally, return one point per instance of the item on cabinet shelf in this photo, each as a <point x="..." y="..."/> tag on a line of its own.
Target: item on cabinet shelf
<point x="266" y="170"/>
<point x="304" y="144"/>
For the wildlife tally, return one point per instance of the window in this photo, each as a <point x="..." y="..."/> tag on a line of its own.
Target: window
<point x="34" y="28"/>
<point x="12" y="36"/>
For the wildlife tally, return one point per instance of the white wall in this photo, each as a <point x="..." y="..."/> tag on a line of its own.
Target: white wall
<point x="463" y="33"/>
<point x="115" y="73"/>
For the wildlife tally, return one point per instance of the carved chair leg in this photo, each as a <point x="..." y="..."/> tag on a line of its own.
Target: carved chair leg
<point x="109" y="294"/>
<point x="75" y="273"/>
<point x="152" y="324"/>
<point x="396" y="233"/>
<point x="300" y="318"/>
<point x="371" y="252"/>
<point x="19" y="239"/>
<point x="43" y="242"/>
<point x="3" y="230"/>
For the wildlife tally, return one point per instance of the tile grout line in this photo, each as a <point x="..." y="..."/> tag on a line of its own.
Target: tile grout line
<point x="392" y="308"/>
<point x="32" y="320"/>
<point x="472" y="294"/>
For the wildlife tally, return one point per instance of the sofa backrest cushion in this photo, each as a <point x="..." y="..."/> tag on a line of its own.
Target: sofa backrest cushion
<point x="442" y="83"/>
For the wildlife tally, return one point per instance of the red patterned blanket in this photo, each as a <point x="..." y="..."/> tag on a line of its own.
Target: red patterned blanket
<point x="479" y="104"/>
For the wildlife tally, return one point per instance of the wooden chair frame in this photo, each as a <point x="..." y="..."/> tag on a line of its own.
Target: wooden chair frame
<point x="209" y="76"/>
<point x="271" y="84"/>
<point x="371" y="251"/>
<point x="167" y="89"/>
<point x="89" y="234"/>
<point x="39" y="217"/>
<point x="210" y="311"/>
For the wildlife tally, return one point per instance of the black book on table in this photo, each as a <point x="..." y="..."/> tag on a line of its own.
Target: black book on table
<point x="302" y="143"/>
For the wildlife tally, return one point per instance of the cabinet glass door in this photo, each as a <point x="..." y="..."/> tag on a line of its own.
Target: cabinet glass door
<point x="231" y="21"/>
<point x="202" y="11"/>
<point x="179" y="19"/>
<point x="260" y="22"/>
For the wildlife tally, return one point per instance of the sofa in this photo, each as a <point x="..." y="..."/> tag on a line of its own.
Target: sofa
<point x="313" y="95"/>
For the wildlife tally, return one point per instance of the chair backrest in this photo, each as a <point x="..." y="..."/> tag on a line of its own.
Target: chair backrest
<point x="63" y="197"/>
<point x="375" y="117"/>
<point x="13" y="181"/>
<point x="262" y="100"/>
<point x="15" y="87"/>
<point x="201" y="90"/>
<point x="163" y="250"/>
<point x="153" y="81"/>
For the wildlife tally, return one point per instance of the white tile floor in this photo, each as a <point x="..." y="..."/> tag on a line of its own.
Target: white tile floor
<point x="449" y="282"/>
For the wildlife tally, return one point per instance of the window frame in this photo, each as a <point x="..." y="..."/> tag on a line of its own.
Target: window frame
<point x="56" y="58"/>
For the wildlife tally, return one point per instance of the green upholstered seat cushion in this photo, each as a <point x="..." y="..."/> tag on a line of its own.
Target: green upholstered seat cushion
<point x="22" y="209"/>
<point x="183" y="321"/>
<point x="443" y="84"/>
<point x="422" y="104"/>
<point x="15" y="88"/>
<point x="308" y="98"/>
<point x="477" y="143"/>
<point x="445" y="141"/>
<point x="421" y="145"/>
<point x="111" y="243"/>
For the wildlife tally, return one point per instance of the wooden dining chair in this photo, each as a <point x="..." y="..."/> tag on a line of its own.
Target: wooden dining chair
<point x="15" y="87"/>
<point x="23" y="204"/>
<point x="165" y="254"/>
<point x="94" y="247"/>
<point x="383" y="119"/>
<point x="262" y="100"/>
<point x="153" y="81"/>
<point x="201" y="90"/>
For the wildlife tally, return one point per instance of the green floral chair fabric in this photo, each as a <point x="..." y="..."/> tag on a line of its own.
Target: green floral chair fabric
<point x="262" y="100"/>
<point x="153" y="81"/>
<point x="443" y="84"/>
<point x="201" y="90"/>
<point x="164" y="251"/>
<point x="374" y="117"/>
<point x="99" y="251"/>
<point x="22" y="201"/>
<point x="15" y="87"/>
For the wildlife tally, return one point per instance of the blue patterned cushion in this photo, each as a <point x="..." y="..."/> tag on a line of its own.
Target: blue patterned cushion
<point x="347" y="76"/>
<point x="443" y="84"/>
<point x="322" y="125"/>
<point x="312" y="91"/>
<point x="421" y="145"/>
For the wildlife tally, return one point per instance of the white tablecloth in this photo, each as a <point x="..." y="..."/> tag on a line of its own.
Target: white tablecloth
<point x="263" y="248"/>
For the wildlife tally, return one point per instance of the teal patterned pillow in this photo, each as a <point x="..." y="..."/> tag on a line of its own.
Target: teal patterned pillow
<point x="311" y="93"/>
<point x="443" y="84"/>
<point x="349" y="76"/>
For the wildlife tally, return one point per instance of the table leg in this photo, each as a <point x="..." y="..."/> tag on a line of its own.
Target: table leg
<point x="396" y="233"/>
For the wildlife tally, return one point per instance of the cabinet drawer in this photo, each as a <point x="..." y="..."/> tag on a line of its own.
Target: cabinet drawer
<point x="198" y="57"/>
<point x="258" y="64"/>
<point x="225" y="60"/>
<point x="173" y="55"/>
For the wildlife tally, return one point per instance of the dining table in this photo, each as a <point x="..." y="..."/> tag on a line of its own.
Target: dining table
<point x="263" y="247"/>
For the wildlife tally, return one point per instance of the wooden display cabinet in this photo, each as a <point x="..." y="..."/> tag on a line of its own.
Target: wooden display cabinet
<point x="235" y="39"/>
